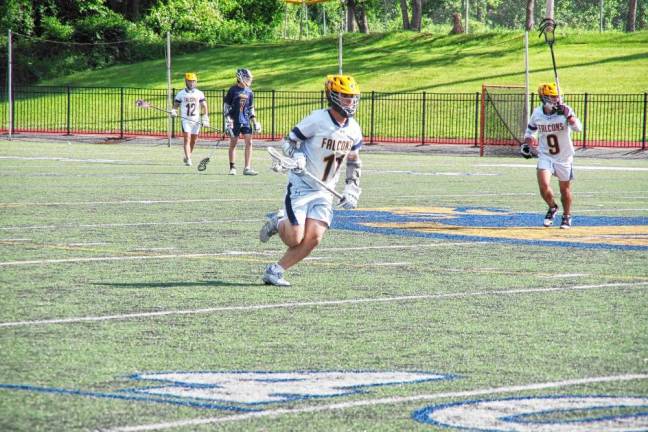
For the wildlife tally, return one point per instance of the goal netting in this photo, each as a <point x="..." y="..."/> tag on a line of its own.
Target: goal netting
<point x="503" y="119"/>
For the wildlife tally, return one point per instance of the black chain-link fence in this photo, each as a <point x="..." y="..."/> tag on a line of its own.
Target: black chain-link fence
<point x="425" y="118"/>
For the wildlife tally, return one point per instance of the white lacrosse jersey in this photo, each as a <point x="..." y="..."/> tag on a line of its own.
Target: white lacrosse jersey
<point x="190" y="101"/>
<point x="554" y="134"/>
<point x="326" y="144"/>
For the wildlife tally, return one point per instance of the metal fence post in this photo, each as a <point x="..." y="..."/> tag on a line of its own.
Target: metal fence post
<point x="321" y="99"/>
<point x="272" y="111"/>
<point x="371" y="129"/>
<point x="585" y="122"/>
<point x="121" y="112"/>
<point x="645" y="114"/>
<point x="423" y="121"/>
<point x="173" y="122"/>
<point x="68" y="110"/>
<point x="477" y="119"/>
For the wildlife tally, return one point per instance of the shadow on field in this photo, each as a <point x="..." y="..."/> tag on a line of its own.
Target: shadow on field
<point x="178" y="284"/>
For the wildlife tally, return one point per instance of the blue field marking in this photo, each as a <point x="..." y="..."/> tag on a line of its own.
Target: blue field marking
<point x="266" y="378"/>
<point x="469" y="217"/>
<point x="123" y="396"/>
<point x="423" y="415"/>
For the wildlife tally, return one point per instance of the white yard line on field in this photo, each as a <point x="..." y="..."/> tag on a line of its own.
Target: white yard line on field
<point x="126" y="202"/>
<point x="225" y="253"/>
<point x="64" y="159"/>
<point x="576" y="167"/>
<point x="272" y="413"/>
<point x="292" y="305"/>
<point x="133" y="224"/>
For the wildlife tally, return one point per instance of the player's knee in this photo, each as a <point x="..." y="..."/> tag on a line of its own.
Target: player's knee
<point x="313" y="240"/>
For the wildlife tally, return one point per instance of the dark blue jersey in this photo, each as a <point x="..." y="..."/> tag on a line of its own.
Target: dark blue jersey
<point x="241" y="104"/>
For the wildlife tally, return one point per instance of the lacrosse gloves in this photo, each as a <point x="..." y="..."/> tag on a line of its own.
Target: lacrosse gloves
<point x="300" y="163"/>
<point x="525" y="150"/>
<point x="563" y="109"/>
<point x="205" y="120"/>
<point x="350" y="196"/>
<point x="256" y="125"/>
<point x="229" y="126"/>
<point x="174" y="112"/>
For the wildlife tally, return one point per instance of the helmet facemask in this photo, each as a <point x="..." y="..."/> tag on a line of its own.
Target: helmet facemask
<point x="346" y="105"/>
<point x="190" y="84"/>
<point x="244" y="76"/>
<point x="551" y="102"/>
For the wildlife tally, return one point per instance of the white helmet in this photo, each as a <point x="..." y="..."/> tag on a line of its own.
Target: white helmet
<point x="244" y="76"/>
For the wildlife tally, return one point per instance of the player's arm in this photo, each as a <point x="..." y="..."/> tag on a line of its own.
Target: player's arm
<point x="352" y="191"/>
<point x="530" y="141"/>
<point x="256" y="124"/>
<point x="176" y="105"/>
<point x="204" y="119"/>
<point x="227" y="111"/>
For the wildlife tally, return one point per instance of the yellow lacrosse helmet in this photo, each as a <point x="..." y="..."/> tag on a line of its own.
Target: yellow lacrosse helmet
<point x="343" y="94"/>
<point x="548" y="89"/>
<point x="344" y="84"/>
<point x="191" y="76"/>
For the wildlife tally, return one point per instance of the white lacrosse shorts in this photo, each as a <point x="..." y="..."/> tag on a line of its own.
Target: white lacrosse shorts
<point x="563" y="170"/>
<point x="302" y="204"/>
<point x="191" y="127"/>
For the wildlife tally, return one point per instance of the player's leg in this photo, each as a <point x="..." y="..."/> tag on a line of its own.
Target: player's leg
<point x="312" y="236"/>
<point x="186" y="141"/>
<point x="544" y="173"/>
<point x="247" y="136"/>
<point x="192" y="143"/>
<point x="566" y="198"/>
<point x="565" y="174"/>
<point x="232" y="152"/>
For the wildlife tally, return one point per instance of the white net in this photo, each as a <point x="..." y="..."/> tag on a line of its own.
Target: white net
<point x="503" y="119"/>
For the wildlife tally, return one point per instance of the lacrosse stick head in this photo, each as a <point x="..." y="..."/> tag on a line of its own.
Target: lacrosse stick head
<point x="280" y="163"/>
<point x="547" y="28"/>
<point x="202" y="166"/>
<point x="141" y="103"/>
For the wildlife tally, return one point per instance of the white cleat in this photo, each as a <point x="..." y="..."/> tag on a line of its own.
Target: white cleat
<point x="271" y="226"/>
<point x="232" y="171"/>
<point x="249" y="172"/>
<point x="566" y="222"/>
<point x="274" y="276"/>
<point x="549" y="217"/>
<point x="188" y="162"/>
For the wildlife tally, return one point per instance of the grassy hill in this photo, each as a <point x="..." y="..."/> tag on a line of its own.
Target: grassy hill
<point x="588" y="62"/>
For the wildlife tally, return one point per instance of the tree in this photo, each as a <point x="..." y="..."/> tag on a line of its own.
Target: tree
<point x="529" y="14"/>
<point x="417" y="13"/>
<point x="632" y="16"/>
<point x="405" y="14"/>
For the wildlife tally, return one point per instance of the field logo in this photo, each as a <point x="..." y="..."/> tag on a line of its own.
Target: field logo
<point x="271" y="387"/>
<point x="242" y="390"/>
<point x="539" y="414"/>
<point x="498" y="225"/>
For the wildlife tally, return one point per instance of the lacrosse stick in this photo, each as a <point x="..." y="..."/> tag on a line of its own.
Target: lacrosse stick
<point x="141" y="103"/>
<point x="548" y="28"/>
<point x="202" y="166"/>
<point x="281" y="163"/>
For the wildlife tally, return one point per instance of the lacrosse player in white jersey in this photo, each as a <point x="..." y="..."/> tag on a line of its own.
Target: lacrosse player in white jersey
<point x="319" y="144"/>
<point x="193" y="112"/>
<point x="553" y="123"/>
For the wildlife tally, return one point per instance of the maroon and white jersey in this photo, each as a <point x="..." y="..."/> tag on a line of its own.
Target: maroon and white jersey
<point x="553" y="133"/>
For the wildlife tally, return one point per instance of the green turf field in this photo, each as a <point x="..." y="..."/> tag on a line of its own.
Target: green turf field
<point x="129" y="281"/>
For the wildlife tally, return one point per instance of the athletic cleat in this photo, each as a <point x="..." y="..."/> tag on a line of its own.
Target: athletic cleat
<point x="549" y="217"/>
<point x="566" y="222"/>
<point x="249" y="172"/>
<point x="232" y="171"/>
<point x="274" y="276"/>
<point x="188" y="161"/>
<point x="271" y="227"/>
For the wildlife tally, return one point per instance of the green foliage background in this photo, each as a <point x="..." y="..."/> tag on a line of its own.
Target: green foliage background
<point x="57" y="37"/>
